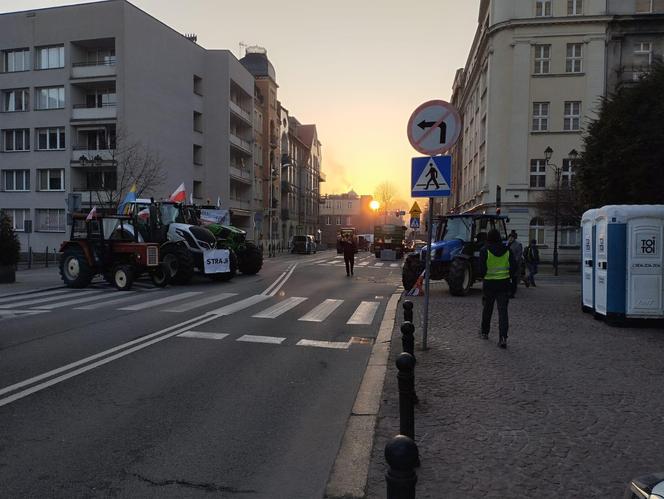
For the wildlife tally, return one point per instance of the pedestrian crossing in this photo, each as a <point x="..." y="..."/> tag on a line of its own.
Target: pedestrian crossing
<point x="173" y="301"/>
<point x="362" y="262"/>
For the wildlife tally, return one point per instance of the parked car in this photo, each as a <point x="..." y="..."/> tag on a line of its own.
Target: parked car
<point x="303" y="244"/>
<point x="646" y="487"/>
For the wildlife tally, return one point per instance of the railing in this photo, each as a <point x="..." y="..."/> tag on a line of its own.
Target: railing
<point x="85" y="106"/>
<point x="241" y="174"/>
<point x="93" y="69"/>
<point x="82" y="112"/>
<point x="241" y="143"/>
<point x="239" y="111"/>
<point x="110" y="62"/>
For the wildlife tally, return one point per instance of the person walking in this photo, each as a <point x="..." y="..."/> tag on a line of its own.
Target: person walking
<point x="497" y="266"/>
<point x="532" y="261"/>
<point x="516" y="248"/>
<point x="349" y="249"/>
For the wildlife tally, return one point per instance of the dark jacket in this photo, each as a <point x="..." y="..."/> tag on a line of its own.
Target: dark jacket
<point x="498" y="249"/>
<point x="349" y="247"/>
<point x="531" y="254"/>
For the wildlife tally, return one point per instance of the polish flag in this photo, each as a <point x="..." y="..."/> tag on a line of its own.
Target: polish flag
<point x="180" y="195"/>
<point x="92" y="214"/>
<point x="144" y="214"/>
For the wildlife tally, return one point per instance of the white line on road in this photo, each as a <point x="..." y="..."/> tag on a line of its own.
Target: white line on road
<point x="185" y="307"/>
<point x="74" y="302"/>
<point x="126" y="297"/>
<point x="249" y="338"/>
<point x="394" y="265"/>
<point x="238" y="305"/>
<point x="203" y="336"/>
<point x="48" y="299"/>
<point x="35" y="295"/>
<point x="337" y="345"/>
<point x="280" y="308"/>
<point x="379" y="264"/>
<point x="365" y="312"/>
<point x="322" y="311"/>
<point x="363" y="264"/>
<point x="162" y="301"/>
<point x="281" y="282"/>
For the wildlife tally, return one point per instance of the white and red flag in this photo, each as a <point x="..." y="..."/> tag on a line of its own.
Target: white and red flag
<point x="144" y="214"/>
<point x="179" y="195"/>
<point x="92" y="214"/>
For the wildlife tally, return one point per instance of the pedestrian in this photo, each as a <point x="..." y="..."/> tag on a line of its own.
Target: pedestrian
<point x="532" y="261"/>
<point x="516" y="248"/>
<point x="497" y="266"/>
<point x="349" y="248"/>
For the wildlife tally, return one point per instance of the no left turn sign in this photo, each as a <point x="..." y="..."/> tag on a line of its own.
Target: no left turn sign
<point x="434" y="127"/>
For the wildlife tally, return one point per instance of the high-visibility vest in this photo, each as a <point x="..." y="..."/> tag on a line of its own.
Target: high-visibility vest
<point x="497" y="267"/>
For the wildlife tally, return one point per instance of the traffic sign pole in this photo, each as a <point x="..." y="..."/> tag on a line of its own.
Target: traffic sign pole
<point x="427" y="271"/>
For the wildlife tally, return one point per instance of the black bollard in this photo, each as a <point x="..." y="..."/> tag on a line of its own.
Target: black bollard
<point x="408" y="345"/>
<point x="408" y="311"/>
<point x="30" y="257"/>
<point x="406" y="381"/>
<point x="402" y="456"/>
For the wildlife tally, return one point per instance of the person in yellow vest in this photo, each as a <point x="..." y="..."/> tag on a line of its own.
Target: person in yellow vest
<point x="497" y="266"/>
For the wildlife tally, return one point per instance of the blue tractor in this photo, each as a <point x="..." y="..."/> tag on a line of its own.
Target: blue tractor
<point x="457" y="243"/>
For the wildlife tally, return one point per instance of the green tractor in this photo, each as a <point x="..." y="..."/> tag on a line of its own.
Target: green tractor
<point x="249" y="256"/>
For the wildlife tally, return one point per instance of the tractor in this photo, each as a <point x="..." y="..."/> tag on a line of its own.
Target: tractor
<point x="455" y="250"/>
<point x="249" y="256"/>
<point x="101" y="245"/>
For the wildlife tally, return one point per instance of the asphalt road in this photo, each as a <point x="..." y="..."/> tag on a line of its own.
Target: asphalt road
<point x="238" y="389"/>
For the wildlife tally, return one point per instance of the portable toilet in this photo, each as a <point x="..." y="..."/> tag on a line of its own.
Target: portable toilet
<point x="588" y="254"/>
<point x="629" y="270"/>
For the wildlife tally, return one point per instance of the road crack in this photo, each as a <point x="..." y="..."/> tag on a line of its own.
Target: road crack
<point x="208" y="487"/>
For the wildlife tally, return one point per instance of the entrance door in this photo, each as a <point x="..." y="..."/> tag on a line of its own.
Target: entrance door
<point x="601" y="265"/>
<point x="588" y="264"/>
<point x="644" y="269"/>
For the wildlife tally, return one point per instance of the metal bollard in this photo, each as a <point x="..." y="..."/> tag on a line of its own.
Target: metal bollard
<point x="46" y="256"/>
<point x="402" y="456"/>
<point x="30" y="257"/>
<point x="408" y="311"/>
<point x="406" y="382"/>
<point x="408" y="345"/>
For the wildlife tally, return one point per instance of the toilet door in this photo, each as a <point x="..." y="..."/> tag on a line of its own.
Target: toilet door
<point x="644" y="268"/>
<point x="601" y="266"/>
<point x="588" y="265"/>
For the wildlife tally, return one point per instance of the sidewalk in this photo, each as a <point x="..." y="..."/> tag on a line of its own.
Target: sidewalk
<point x="30" y="280"/>
<point x="572" y="408"/>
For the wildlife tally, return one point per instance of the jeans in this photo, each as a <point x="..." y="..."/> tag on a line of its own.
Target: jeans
<point x="532" y="270"/>
<point x="349" y="259"/>
<point x="495" y="291"/>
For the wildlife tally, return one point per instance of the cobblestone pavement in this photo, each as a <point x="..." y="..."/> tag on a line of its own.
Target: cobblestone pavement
<point x="573" y="408"/>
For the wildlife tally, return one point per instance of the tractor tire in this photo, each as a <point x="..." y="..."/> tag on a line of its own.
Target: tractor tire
<point x="179" y="262"/>
<point x="460" y="278"/>
<point x="251" y="261"/>
<point x="75" y="270"/>
<point x="227" y="276"/>
<point x="123" y="277"/>
<point x="161" y="276"/>
<point x="412" y="268"/>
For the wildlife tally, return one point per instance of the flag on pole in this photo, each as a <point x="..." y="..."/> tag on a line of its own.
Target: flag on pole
<point x="144" y="214"/>
<point x="92" y="214"/>
<point x="191" y="198"/>
<point x="218" y="201"/>
<point x="179" y="195"/>
<point x="129" y="198"/>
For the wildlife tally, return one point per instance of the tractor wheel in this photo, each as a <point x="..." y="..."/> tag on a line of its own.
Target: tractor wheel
<point x="75" y="269"/>
<point x="179" y="262"/>
<point x="460" y="278"/>
<point x="227" y="276"/>
<point x="412" y="268"/>
<point x="251" y="261"/>
<point x="161" y="276"/>
<point x="123" y="277"/>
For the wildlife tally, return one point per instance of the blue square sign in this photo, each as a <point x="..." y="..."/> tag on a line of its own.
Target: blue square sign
<point x="431" y="177"/>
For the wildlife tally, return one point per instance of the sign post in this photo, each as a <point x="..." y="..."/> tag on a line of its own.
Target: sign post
<point x="433" y="129"/>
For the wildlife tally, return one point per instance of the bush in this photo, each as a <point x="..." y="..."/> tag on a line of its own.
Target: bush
<point x="9" y="243"/>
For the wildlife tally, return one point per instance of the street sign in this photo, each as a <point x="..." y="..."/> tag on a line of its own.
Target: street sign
<point x="431" y="177"/>
<point x="434" y="127"/>
<point x="415" y="211"/>
<point x="414" y="223"/>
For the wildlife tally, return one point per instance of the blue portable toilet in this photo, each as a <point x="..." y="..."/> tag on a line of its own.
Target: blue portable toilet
<point x="588" y="259"/>
<point x="629" y="269"/>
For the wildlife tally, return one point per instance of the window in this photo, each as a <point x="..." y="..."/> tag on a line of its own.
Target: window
<point x="49" y="220"/>
<point x="101" y="56"/>
<point x="50" y="98"/>
<point x="16" y="180"/>
<point x="350" y="205"/>
<point x="643" y="54"/>
<point x="537" y="173"/>
<point x="536" y="231"/>
<point x="16" y="140"/>
<point x="198" y="155"/>
<point x="567" y="173"/>
<point x="542" y="59"/>
<point x="649" y="6"/>
<point x="198" y="85"/>
<point x="574" y="60"/>
<point x="16" y="60"/>
<point x="572" y="121"/>
<point x="569" y="236"/>
<point x="198" y="122"/>
<point x="542" y="8"/>
<point x="15" y="100"/>
<point x="102" y="97"/>
<point x="99" y="180"/>
<point x="347" y="220"/>
<point x="540" y="116"/>
<point x="51" y="180"/>
<point x="338" y="220"/>
<point x="328" y="220"/>
<point x="574" y="7"/>
<point x="18" y="217"/>
<point x="51" y="57"/>
<point x="50" y="139"/>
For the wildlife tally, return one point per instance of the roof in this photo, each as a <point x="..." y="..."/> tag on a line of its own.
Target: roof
<point x="259" y="65"/>
<point x="306" y="134"/>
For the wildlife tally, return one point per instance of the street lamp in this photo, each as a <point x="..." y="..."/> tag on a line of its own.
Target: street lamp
<point x="548" y="153"/>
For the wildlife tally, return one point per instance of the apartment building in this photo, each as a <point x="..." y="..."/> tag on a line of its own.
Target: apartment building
<point x="533" y="79"/>
<point x="346" y="210"/>
<point x="82" y="84"/>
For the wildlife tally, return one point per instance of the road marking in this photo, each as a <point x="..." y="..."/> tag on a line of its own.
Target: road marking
<point x="185" y="307"/>
<point x="47" y="299"/>
<point x="35" y="295"/>
<point x="337" y="345"/>
<point x="203" y="336"/>
<point x="110" y="303"/>
<point x="281" y="282"/>
<point x="365" y="312"/>
<point x="322" y="311"/>
<point x="363" y="264"/>
<point x="394" y="265"/>
<point x="238" y="305"/>
<point x="162" y="301"/>
<point x="249" y="338"/>
<point x="74" y="302"/>
<point x="379" y="264"/>
<point x="280" y="308"/>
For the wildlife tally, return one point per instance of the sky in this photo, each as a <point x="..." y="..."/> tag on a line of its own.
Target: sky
<point x="355" y="68"/>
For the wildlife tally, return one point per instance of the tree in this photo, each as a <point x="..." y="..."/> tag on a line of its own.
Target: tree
<point x="9" y="243"/>
<point x="570" y="207"/>
<point x="385" y="193"/>
<point x="624" y="148"/>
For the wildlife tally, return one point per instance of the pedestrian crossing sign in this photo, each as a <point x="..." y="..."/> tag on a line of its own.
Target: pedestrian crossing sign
<point x="431" y="176"/>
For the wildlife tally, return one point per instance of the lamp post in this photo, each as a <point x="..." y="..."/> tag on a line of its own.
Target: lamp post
<point x="548" y="153"/>
<point x="269" y="212"/>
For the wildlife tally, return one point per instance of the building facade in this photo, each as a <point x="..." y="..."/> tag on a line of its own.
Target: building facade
<point x="80" y="95"/>
<point x="533" y="79"/>
<point x="346" y="210"/>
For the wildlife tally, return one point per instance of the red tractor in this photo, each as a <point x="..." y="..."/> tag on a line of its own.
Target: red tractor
<point x="100" y="245"/>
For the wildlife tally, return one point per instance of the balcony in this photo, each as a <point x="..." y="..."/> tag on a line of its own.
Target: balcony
<point x="322" y="177"/>
<point x="84" y="157"/>
<point x="83" y="113"/>
<point x="285" y="214"/>
<point x="236" y="109"/>
<point x="286" y="187"/>
<point x="101" y="69"/>
<point x="241" y="175"/>
<point x="239" y="204"/>
<point x="241" y="144"/>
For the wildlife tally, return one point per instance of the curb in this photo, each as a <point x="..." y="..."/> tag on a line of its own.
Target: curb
<point x="350" y="472"/>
